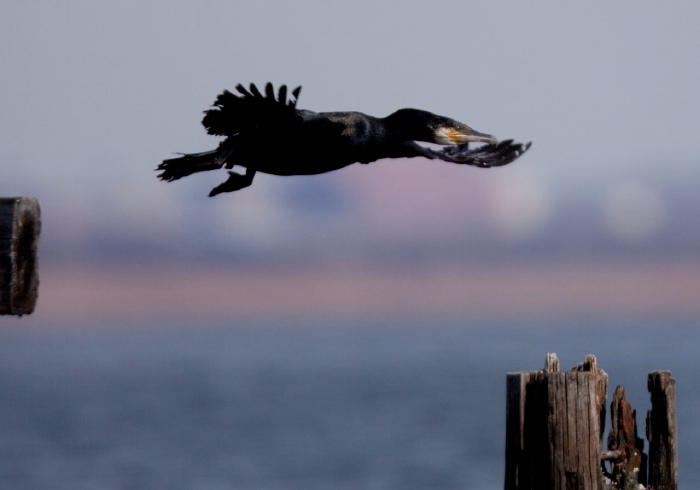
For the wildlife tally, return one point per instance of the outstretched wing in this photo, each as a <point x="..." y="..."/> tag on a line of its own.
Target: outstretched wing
<point x="494" y="155"/>
<point x="251" y="109"/>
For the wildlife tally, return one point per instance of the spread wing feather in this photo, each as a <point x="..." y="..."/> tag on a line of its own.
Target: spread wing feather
<point x="496" y="155"/>
<point x="250" y="109"/>
<point x="282" y="94"/>
<point x="492" y="155"/>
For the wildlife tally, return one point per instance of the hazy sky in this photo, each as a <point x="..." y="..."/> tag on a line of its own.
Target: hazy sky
<point x="95" y="94"/>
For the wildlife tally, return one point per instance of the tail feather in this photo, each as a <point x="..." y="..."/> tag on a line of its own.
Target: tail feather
<point x="190" y="163"/>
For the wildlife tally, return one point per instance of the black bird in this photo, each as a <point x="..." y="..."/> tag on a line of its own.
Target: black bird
<point x="265" y="132"/>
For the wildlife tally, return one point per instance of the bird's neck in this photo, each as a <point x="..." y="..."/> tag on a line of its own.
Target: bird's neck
<point x="408" y="124"/>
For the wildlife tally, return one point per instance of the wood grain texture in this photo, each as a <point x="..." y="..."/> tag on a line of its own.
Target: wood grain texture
<point x="20" y="226"/>
<point x="661" y="432"/>
<point x="552" y="429"/>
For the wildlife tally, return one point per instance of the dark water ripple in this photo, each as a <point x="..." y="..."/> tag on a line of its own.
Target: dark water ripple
<point x="371" y="407"/>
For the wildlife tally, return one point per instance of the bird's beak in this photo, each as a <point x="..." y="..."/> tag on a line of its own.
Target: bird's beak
<point x="467" y="135"/>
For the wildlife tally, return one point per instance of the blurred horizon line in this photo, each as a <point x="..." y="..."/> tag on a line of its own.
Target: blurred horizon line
<point x="216" y="291"/>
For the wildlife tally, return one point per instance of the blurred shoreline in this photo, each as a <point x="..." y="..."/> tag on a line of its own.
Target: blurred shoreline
<point x="81" y="292"/>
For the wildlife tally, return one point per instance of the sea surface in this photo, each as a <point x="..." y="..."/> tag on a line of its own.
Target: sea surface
<point x="395" y="405"/>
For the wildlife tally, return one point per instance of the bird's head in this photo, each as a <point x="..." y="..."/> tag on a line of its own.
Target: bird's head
<point x="425" y="126"/>
<point x="457" y="133"/>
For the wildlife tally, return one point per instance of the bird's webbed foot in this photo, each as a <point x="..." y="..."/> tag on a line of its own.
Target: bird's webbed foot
<point x="493" y="155"/>
<point x="234" y="182"/>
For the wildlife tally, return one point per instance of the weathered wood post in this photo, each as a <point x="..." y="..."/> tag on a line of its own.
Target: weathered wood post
<point x="553" y="435"/>
<point x="20" y="225"/>
<point x="625" y="452"/>
<point x="661" y="432"/>
<point x="554" y="430"/>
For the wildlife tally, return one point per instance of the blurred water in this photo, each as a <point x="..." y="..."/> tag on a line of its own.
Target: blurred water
<point x="374" y="406"/>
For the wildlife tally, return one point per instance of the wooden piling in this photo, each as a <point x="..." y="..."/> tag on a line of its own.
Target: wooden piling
<point x="553" y="436"/>
<point x="628" y="462"/>
<point x="661" y="432"/>
<point x="554" y="431"/>
<point x="20" y="226"/>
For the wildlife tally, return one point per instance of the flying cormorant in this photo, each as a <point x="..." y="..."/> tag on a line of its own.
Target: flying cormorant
<point x="265" y="132"/>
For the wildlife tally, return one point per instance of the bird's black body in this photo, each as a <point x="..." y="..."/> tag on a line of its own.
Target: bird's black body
<point x="267" y="133"/>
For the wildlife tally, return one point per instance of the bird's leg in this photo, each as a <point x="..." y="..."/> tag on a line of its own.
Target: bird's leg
<point x="235" y="182"/>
